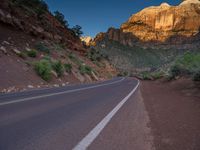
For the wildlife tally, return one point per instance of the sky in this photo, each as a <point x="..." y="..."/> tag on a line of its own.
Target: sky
<point x="96" y="16"/>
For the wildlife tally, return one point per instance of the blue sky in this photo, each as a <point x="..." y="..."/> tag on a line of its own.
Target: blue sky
<point x="98" y="15"/>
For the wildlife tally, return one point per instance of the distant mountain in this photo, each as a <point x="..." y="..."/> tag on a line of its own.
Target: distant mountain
<point x="153" y="38"/>
<point x="160" y="24"/>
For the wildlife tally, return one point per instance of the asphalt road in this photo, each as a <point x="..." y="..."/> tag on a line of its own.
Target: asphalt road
<point x="106" y="115"/>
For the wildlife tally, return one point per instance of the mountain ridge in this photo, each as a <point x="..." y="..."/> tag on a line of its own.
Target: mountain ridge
<point x="162" y="24"/>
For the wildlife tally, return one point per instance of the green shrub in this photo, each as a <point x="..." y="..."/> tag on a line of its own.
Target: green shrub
<point x="48" y="58"/>
<point x="122" y="74"/>
<point x="196" y="76"/>
<point x="84" y="69"/>
<point x="156" y="75"/>
<point x="59" y="47"/>
<point x="151" y="75"/>
<point x="22" y="55"/>
<point x="146" y="76"/>
<point x="75" y="59"/>
<point x="188" y="64"/>
<point x="42" y="47"/>
<point x="58" y="68"/>
<point x="175" y="71"/>
<point x="71" y="56"/>
<point x="32" y="53"/>
<point x="94" y="55"/>
<point x="43" y="69"/>
<point x="68" y="67"/>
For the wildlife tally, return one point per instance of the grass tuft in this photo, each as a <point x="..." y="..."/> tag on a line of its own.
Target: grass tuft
<point x="43" y="69"/>
<point x="188" y="64"/>
<point x="32" y="53"/>
<point x="58" y="68"/>
<point x="42" y="47"/>
<point x="68" y="68"/>
<point x="84" y="69"/>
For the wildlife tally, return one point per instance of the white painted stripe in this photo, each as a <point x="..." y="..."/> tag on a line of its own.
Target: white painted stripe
<point x="59" y="93"/>
<point x="91" y="136"/>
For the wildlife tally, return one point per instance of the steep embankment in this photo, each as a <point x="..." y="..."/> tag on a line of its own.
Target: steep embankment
<point x="36" y="50"/>
<point x="34" y="19"/>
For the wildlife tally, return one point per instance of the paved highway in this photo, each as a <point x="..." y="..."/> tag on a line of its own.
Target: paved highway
<point x="106" y="115"/>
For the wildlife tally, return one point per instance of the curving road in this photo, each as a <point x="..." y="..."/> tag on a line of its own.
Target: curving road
<point x="106" y="115"/>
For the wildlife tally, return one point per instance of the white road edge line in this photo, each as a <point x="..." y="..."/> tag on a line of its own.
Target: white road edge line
<point x="59" y="93"/>
<point x="92" y="135"/>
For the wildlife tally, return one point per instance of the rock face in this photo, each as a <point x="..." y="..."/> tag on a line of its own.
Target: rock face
<point x="158" y="23"/>
<point x="87" y="40"/>
<point x="116" y="35"/>
<point x="162" y="24"/>
<point x="125" y="38"/>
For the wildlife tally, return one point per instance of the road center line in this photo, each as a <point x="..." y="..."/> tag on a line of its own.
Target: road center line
<point x="92" y="135"/>
<point x="59" y="93"/>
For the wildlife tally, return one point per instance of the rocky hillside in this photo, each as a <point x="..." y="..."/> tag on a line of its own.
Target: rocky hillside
<point x="162" y="24"/>
<point x="37" y="50"/>
<point x="36" y="20"/>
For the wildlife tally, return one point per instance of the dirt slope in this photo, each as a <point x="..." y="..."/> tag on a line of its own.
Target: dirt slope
<point x="27" y="27"/>
<point x="17" y="73"/>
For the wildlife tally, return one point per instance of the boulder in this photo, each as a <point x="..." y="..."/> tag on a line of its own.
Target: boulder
<point x="17" y="22"/>
<point x="16" y="51"/>
<point x="94" y="76"/>
<point x="78" y="76"/>
<point x="30" y="86"/>
<point x="38" y="29"/>
<point x="3" y="49"/>
<point x="5" y="43"/>
<point x="54" y="73"/>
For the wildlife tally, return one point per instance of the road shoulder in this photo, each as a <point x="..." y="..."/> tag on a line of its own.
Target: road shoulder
<point x="174" y="112"/>
<point x="128" y="129"/>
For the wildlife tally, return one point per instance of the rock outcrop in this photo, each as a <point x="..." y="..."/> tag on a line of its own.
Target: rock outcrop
<point x="160" y="24"/>
<point x="116" y="35"/>
<point x="87" y="40"/>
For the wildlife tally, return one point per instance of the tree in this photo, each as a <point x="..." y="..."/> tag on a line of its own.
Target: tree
<point x="77" y="30"/>
<point x="61" y="18"/>
<point x="43" y="5"/>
